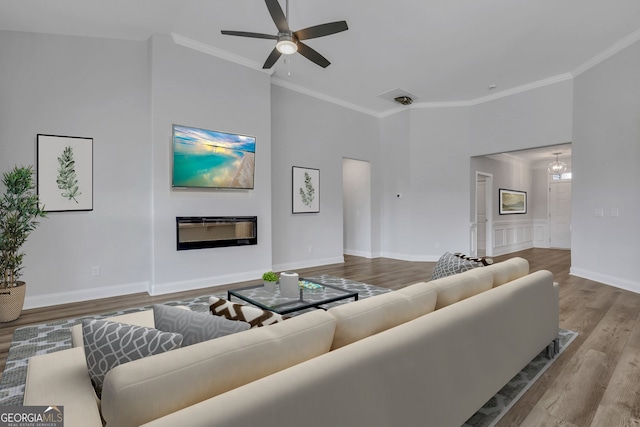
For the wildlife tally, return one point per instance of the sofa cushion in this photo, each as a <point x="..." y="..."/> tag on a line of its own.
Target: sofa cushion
<point x="422" y="297"/>
<point x="509" y="270"/>
<point x="362" y="318"/>
<point x="452" y="289"/>
<point x="255" y="316"/>
<point x="109" y="344"/>
<point x="193" y="326"/>
<point x="138" y="392"/>
<point x="449" y="264"/>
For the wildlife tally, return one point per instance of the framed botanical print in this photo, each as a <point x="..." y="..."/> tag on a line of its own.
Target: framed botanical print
<point x="306" y="190"/>
<point x="65" y="173"/>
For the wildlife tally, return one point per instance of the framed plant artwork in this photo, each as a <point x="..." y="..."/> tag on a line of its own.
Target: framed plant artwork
<point x="512" y="202"/>
<point x="306" y="190"/>
<point x="65" y="173"/>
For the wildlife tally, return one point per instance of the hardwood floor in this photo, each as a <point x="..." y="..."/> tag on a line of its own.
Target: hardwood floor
<point x="595" y="382"/>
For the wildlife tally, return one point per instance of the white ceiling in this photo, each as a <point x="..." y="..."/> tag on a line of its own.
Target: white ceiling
<point x="442" y="51"/>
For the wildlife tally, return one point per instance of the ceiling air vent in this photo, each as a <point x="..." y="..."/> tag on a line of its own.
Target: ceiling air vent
<point x="400" y="96"/>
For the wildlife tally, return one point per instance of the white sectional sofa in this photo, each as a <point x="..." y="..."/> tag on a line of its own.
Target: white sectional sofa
<point x="430" y="354"/>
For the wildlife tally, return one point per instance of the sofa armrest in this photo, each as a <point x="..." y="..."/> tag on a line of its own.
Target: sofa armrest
<point x="61" y="379"/>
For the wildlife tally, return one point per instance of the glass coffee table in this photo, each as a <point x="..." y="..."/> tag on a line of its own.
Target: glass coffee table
<point x="309" y="298"/>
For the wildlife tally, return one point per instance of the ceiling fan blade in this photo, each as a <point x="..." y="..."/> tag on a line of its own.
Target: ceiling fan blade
<point x="273" y="57"/>
<point x="278" y="15"/>
<point x="321" y="30"/>
<point x="312" y="55"/>
<point x="247" y="34"/>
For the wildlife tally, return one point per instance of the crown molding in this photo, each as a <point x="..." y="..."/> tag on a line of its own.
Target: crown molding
<point x="219" y="53"/>
<point x="602" y="56"/>
<point x="306" y="91"/>
<point x="608" y="53"/>
<point x="524" y="88"/>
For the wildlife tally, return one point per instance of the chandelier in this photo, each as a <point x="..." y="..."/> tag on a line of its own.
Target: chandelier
<point x="557" y="167"/>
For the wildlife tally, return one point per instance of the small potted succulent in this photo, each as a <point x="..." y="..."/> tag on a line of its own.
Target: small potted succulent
<point x="269" y="280"/>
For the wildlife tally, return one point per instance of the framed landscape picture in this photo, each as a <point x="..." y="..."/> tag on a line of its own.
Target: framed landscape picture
<point x="512" y="202"/>
<point x="306" y="190"/>
<point x="65" y="173"/>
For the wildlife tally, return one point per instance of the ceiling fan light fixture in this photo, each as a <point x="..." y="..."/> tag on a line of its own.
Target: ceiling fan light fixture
<point x="286" y="45"/>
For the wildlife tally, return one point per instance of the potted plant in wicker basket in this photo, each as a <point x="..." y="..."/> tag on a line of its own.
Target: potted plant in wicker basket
<point x="19" y="211"/>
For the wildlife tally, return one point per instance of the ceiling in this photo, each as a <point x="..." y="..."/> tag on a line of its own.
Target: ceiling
<point x="440" y="51"/>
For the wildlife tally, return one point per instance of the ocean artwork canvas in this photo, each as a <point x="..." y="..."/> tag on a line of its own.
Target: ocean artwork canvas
<point x="211" y="159"/>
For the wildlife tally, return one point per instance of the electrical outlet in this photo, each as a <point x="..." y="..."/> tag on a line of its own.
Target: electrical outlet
<point x="95" y="270"/>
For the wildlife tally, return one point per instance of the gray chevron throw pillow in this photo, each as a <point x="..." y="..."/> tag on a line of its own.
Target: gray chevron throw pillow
<point x="109" y="344"/>
<point x="193" y="326"/>
<point x="450" y="264"/>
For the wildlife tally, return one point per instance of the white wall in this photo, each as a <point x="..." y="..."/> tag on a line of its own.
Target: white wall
<point x="356" y="202"/>
<point x="312" y="133"/>
<point x="606" y="171"/>
<point x="92" y="88"/>
<point x="126" y="95"/>
<point x="431" y="171"/>
<point x="395" y="176"/>
<point x="195" y="89"/>
<point x="534" y="118"/>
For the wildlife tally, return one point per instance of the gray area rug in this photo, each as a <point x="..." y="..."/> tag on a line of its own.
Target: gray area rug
<point x="498" y="405"/>
<point x="55" y="336"/>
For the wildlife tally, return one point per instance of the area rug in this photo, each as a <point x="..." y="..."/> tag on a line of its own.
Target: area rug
<point x="55" y="336"/>
<point x="498" y="405"/>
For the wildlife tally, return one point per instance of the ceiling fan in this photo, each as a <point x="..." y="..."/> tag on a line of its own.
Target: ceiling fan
<point x="289" y="42"/>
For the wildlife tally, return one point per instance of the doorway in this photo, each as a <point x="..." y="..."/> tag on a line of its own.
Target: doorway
<point x="560" y="214"/>
<point x="356" y="207"/>
<point x="483" y="244"/>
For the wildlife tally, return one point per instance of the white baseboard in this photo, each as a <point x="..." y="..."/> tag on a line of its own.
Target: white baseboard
<point x="84" y="295"/>
<point x="354" y="252"/>
<point x="208" y="282"/>
<point x="507" y="249"/>
<point x="408" y="257"/>
<point x="307" y="263"/>
<point x="617" y="282"/>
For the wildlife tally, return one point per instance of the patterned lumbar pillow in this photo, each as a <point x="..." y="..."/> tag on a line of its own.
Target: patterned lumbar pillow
<point x="254" y="316"/>
<point x="194" y="327"/>
<point x="449" y="264"/>
<point x="484" y="260"/>
<point x="109" y="344"/>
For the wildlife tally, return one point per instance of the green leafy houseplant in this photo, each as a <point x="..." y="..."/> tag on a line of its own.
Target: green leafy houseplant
<point x="270" y="276"/>
<point x="19" y="211"/>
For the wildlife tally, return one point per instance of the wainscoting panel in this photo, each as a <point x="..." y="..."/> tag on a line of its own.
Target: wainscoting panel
<point x="512" y="236"/>
<point x="540" y="233"/>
